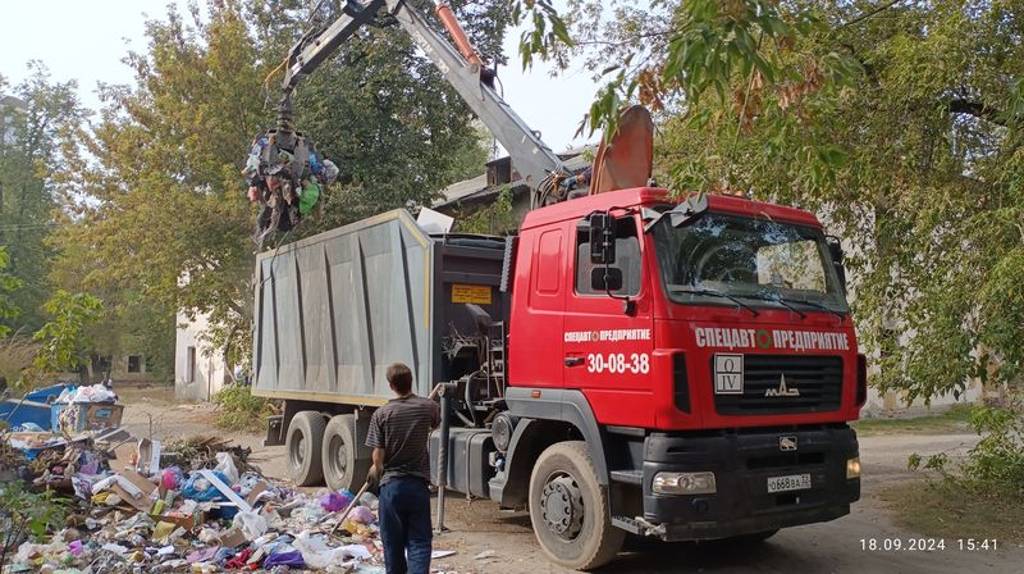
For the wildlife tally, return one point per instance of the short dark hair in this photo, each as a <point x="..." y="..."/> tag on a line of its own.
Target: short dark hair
<point x="400" y="378"/>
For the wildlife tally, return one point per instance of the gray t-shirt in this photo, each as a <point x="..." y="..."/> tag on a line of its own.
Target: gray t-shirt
<point x="402" y="428"/>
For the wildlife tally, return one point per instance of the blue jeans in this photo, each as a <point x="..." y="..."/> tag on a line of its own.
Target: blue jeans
<point x="405" y="526"/>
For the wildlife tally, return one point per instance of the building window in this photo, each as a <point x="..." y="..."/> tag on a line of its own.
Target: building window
<point x="190" y="375"/>
<point x="101" y="364"/>
<point x="134" y="363"/>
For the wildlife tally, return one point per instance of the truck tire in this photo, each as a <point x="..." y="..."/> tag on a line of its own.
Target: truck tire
<point x="569" y="509"/>
<point x="304" y="443"/>
<point x="342" y="469"/>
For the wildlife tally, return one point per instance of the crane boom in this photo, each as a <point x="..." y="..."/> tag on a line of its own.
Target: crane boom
<point x="532" y="158"/>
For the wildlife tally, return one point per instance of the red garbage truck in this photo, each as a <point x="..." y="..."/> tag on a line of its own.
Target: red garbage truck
<point x="627" y="363"/>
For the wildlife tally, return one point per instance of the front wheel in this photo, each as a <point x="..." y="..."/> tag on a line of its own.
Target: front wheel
<point x="569" y="509"/>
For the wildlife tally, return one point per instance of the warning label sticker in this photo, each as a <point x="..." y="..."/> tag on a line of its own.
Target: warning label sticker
<point x="478" y="294"/>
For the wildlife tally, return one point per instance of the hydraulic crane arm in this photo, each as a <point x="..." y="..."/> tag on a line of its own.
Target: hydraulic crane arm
<point x="461" y="67"/>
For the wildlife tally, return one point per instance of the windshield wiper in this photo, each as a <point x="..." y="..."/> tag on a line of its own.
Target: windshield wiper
<point x="778" y="299"/>
<point x="819" y="306"/>
<point x="713" y="293"/>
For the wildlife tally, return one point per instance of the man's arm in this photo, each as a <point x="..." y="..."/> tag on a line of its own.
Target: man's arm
<point x="435" y="416"/>
<point x="378" y="463"/>
<point x="375" y="440"/>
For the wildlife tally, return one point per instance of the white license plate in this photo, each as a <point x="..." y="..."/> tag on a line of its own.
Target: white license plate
<point x="790" y="482"/>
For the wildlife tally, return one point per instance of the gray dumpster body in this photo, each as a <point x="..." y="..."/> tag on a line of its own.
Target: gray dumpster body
<point x="332" y="311"/>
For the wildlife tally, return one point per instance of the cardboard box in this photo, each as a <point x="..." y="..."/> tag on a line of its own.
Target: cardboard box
<point x="143" y="499"/>
<point x="186" y="521"/>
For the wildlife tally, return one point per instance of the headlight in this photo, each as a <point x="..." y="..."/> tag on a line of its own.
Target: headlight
<point x="684" y="483"/>
<point x="853" y="468"/>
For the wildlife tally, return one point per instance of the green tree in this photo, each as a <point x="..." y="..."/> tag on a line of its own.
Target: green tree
<point x="64" y="344"/>
<point x="34" y="125"/>
<point x="8" y="284"/>
<point x="168" y="225"/>
<point x="899" y="122"/>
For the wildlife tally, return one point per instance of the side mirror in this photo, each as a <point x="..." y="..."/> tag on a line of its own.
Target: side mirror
<point x="602" y="238"/>
<point x="835" y="249"/>
<point x="606" y="279"/>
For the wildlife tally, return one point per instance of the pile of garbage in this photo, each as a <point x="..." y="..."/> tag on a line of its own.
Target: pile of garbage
<point x="136" y="507"/>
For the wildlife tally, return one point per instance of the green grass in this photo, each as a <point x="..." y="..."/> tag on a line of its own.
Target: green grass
<point x="953" y="420"/>
<point x="958" y="509"/>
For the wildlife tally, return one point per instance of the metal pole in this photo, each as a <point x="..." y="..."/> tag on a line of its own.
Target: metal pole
<point x="442" y="454"/>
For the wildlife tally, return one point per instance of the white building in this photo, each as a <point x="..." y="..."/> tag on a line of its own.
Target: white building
<point x="200" y="371"/>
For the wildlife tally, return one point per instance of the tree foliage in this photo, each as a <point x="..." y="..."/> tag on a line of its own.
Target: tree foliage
<point x="8" y="284"/>
<point x="168" y="225"/>
<point x="33" y="129"/>
<point x="899" y="122"/>
<point x="497" y="218"/>
<point x="63" y="341"/>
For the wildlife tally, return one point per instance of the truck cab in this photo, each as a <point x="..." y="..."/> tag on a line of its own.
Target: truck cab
<point x="702" y="354"/>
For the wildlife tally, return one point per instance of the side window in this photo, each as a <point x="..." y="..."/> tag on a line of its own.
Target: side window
<point x="627" y="258"/>
<point x="549" y="262"/>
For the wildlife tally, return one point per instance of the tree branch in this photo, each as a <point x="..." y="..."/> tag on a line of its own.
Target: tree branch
<point x="869" y="14"/>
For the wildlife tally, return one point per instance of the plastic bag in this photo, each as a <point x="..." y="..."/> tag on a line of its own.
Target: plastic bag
<point x="291" y="558"/>
<point x="199" y="489"/>
<point x="308" y="198"/>
<point x="171" y="478"/>
<point x="251" y="524"/>
<point x="226" y="466"/>
<point x="362" y="515"/>
<point x="317" y="555"/>
<point x="369" y="500"/>
<point x="335" y="501"/>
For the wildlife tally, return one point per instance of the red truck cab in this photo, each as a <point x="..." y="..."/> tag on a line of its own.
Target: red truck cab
<point x="707" y="361"/>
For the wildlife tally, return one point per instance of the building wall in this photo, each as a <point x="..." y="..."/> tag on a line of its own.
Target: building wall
<point x="199" y="371"/>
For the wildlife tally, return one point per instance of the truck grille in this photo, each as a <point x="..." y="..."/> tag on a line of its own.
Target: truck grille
<point x="819" y="381"/>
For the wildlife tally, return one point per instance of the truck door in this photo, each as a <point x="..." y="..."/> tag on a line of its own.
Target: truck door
<point x="607" y="350"/>
<point x="535" y="339"/>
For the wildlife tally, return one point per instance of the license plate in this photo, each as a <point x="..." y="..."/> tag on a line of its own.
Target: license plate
<point x="790" y="482"/>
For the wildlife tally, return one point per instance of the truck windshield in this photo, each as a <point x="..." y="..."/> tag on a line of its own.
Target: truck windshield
<point x="725" y="257"/>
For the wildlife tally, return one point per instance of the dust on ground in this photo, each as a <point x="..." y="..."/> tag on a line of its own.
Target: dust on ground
<point x="506" y="545"/>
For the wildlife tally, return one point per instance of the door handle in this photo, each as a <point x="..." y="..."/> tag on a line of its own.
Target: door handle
<point x="573" y="361"/>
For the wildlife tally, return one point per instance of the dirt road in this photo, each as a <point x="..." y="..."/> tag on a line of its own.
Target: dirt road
<point x="480" y="526"/>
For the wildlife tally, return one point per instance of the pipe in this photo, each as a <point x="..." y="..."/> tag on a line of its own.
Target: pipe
<point x="442" y="452"/>
<point x="447" y="17"/>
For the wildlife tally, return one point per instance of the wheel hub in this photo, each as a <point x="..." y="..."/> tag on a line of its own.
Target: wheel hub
<point x="562" y="507"/>
<point x="297" y="454"/>
<point x="340" y="462"/>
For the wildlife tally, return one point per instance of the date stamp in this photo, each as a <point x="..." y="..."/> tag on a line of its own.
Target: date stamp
<point x="925" y="544"/>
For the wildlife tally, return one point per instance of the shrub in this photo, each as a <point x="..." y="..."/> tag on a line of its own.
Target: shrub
<point x="16" y="354"/>
<point x="238" y="409"/>
<point x="25" y="514"/>
<point x="998" y="459"/>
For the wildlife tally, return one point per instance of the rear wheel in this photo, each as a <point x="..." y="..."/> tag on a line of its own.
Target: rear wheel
<point x="569" y="509"/>
<point x="304" y="444"/>
<point x="341" y="467"/>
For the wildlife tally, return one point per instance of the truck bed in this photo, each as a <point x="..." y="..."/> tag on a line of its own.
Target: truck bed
<point x="332" y="311"/>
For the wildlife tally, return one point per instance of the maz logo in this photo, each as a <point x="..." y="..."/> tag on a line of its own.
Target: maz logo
<point x="782" y="390"/>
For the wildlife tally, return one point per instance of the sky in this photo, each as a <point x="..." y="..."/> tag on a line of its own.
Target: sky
<point x="86" y="41"/>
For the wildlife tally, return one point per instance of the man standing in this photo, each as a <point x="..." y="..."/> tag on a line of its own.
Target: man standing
<point x="401" y="462"/>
